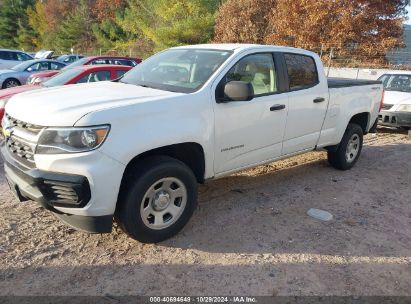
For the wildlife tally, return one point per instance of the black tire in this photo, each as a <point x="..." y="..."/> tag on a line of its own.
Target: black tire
<point x="337" y="158"/>
<point x="145" y="176"/>
<point x="10" y="83"/>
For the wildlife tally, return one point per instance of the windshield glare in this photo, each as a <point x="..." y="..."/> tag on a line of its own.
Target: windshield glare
<point x="400" y="83"/>
<point x="22" y="66"/>
<point x="62" y="78"/>
<point x="177" y="70"/>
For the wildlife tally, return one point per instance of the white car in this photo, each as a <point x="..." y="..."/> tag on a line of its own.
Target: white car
<point x="11" y="58"/>
<point x="135" y="149"/>
<point x="396" y="111"/>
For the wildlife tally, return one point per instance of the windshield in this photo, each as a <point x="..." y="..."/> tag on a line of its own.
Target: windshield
<point x="62" y="77"/>
<point x="76" y="63"/>
<point x="399" y="83"/>
<point x="22" y="66"/>
<point x="177" y="70"/>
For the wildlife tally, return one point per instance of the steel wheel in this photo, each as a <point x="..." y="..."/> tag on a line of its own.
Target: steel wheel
<point x="352" y="148"/>
<point x="163" y="203"/>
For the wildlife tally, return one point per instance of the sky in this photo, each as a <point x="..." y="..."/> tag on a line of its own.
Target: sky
<point x="409" y="16"/>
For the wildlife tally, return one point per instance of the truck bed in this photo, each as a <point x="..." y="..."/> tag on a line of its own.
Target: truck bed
<point x="343" y="82"/>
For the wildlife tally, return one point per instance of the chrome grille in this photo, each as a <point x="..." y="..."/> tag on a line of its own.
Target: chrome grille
<point x="22" y="139"/>
<point x="20" y="149"/>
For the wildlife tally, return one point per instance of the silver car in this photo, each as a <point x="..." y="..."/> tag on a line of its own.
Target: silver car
<point x="18" y="74"/>
<point x="10" y="58"/>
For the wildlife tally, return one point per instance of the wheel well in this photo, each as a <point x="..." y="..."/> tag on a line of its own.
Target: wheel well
<point x="361" y="119"/>
<point x="192" y="154"/>
<point x="11" y="78"/>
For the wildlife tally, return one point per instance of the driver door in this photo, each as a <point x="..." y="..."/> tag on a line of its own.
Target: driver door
<point x="250" y="132"/>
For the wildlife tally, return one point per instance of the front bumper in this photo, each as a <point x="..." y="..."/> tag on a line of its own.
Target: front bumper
<point x="55" y="191"/>
<point x="394" y="119"/>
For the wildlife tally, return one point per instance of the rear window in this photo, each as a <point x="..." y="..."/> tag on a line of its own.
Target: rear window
<point x="302" y="71"/>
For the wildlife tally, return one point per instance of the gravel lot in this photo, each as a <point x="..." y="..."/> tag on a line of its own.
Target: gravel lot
<point x="250" y="235"/>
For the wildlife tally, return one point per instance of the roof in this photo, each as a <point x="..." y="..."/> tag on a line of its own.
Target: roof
<point x="108" y="56"/>
<point x="238" y="47"/>
<point x="101" y="67"/>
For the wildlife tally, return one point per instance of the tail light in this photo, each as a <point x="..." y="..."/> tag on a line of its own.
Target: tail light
<point x="382" y="101"/>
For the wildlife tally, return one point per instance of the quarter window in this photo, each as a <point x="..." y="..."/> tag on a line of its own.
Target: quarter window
<point x="257" y="69"/>
<point x="302" y="71"/>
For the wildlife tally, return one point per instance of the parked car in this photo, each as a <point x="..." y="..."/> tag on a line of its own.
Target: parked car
<point x="10" y="58"/>
<point x="396" y="111"/>
<point x="68" y="59"/>
<point x="19" y="74"/>
<point x="44" y="54"/>
<point x="135" y="149"/>
<point x="126" y="61"/>
<point x="75" y="75"/>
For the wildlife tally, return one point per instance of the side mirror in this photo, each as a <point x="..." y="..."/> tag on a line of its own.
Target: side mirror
<point x="29" y="69"/>
<point x="238" y="91"/>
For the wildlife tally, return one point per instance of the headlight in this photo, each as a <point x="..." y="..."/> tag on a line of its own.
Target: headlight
<point x="404" y="108"/>
<point x="71" y="140"/>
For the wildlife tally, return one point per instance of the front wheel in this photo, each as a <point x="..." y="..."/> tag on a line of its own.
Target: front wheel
<point x="161" y="196"/>
<point x="10" y="83"/>
<point x="349" y="149"/>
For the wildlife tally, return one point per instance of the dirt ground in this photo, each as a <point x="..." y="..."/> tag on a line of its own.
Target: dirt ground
<point x="250" y="236"/>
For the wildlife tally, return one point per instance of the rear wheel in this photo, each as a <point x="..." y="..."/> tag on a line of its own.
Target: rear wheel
<point x="10" y="83"/>
<point x="349" y="149"/>
<point x="160" y="197"/>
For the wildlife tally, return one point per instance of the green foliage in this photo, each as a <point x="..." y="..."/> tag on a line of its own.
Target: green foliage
<point x="171" y="22"/>
<point x="75" y="31"/>
<point x="12" y="20"/>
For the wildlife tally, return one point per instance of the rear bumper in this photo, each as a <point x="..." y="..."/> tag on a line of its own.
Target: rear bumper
<point x="394" y="119"/>
<point x="52" y="190"/>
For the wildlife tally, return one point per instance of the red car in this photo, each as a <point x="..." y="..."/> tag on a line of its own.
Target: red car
<point x="37" y="78"/>
<point x="79" y="74"/>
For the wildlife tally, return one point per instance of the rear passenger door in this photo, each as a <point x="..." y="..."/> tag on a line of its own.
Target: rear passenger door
<point x="308" y="102"/>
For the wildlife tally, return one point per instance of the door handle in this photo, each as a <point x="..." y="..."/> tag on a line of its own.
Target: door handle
<point x="277" y="107"/>
<point x="319" y="99"/>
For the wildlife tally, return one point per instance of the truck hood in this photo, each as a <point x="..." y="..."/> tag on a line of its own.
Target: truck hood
<point x="396" y="98"/>
<point x="64" y="106"/>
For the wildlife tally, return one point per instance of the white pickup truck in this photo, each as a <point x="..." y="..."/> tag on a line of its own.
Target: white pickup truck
<point x="135" y="149"/>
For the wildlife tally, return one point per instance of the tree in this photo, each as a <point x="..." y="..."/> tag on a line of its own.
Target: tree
<point x="243" y="21"/>
<point x="107" y="9"/>
<point x="360" y="29"/>
<point x="11" y="13"/>
<point x="75" y="31"/>
<point x="171" y="22"/>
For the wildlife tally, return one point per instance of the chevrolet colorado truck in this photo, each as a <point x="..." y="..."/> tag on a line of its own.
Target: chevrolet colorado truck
<point x="135" y="149"/>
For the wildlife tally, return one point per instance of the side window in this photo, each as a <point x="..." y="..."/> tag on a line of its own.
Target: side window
<point x="4" y="55"/>
<point x="99" y="61"/>
<point x="302" y="71"/>
<point x="120" y="73"/>
<point x="55" y="66"/>
<point x="95" y="77"/>
<point x="22" y="57"/>
<point x="257" y="69"/>
<point x="13" y="56"/>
